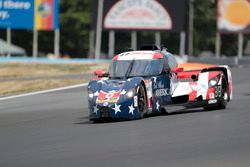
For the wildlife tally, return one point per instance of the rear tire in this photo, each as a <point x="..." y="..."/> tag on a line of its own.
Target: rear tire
<point x="223" y="99"/>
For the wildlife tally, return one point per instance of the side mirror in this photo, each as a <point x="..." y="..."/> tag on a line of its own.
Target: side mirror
<point x="101" y="74"/>
<point x="176" y="70"/>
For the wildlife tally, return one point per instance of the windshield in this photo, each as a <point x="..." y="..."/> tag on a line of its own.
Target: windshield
<point x="132" y="68"/>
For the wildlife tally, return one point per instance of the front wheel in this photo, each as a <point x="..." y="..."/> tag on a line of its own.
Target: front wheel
<point x="142" y="101"/>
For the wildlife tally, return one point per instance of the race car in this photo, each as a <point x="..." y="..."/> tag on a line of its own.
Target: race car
<point x="149" y="81"/>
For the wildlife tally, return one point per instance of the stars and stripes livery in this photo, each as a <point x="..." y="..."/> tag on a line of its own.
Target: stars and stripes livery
<point x="149" y="81"/>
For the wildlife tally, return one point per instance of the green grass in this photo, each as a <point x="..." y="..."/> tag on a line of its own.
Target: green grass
<point x="19" y="70"/>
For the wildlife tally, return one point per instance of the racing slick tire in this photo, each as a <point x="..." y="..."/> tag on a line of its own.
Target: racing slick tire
<point x="142" y="101"/>
<point x="223" y="99"/>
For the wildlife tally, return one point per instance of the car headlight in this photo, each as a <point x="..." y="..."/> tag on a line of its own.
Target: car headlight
<point x="214" y="81"/>
<point x="91" y="94"/>
<point x="130" y="93"/>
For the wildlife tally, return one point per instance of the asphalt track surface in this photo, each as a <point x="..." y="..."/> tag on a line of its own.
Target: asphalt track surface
<point x="52" y="130"/>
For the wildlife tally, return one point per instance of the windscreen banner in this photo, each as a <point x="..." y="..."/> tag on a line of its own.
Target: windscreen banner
<point x="233" y="16"/>
<point x="29" y="14"/>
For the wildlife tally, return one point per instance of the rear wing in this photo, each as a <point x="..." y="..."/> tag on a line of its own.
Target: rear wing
<point x="187" y="74"/>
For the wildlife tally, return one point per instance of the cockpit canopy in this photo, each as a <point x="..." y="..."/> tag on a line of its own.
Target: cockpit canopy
<point x="141" y="63"/>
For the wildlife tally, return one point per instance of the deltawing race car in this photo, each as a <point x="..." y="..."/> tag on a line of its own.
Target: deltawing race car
<point x="149" y="81"/>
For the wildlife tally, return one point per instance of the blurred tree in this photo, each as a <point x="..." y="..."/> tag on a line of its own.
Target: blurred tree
<point x="205" y="13"/>
<point x="75" y="25"/>
<point x="75" y="21"/>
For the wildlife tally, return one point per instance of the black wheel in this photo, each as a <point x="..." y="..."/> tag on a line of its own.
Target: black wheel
<point x="142" y="101"/>
<point x="223" y="99"/>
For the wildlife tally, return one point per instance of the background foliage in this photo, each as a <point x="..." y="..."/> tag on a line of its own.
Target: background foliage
<point x="75" y="26"/>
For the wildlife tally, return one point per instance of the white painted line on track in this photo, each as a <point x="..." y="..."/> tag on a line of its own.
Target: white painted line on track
<point x="43" y="91"/>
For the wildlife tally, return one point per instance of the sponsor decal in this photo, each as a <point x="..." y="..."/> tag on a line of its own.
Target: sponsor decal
<point x="45" y="17"/>
<point x="135" y="101"/>
<point x="44" y="9"/>
<point x="108" y="101"/>
<point x="212" y="101"/>
<point x="108" y="97"/>
<point x="203" y="87"/>
<point x="138" y="14"/>
<point x="162" y="92"/>
<point x="158" y="85"/>
<point x="211" y="95"/>
<point x="217" y="91"/>
<point x="199" y="87"/>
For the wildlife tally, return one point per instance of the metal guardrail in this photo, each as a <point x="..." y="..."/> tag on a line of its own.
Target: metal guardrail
<point x="211" y="60"/>
<point x="51" y="61"/>
<point x="232" y="61"/>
